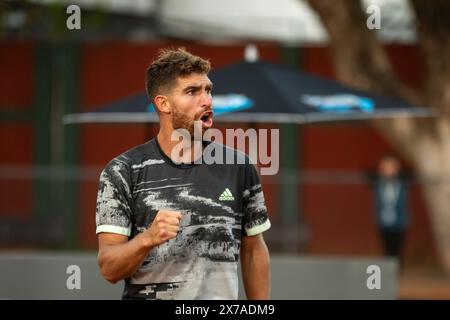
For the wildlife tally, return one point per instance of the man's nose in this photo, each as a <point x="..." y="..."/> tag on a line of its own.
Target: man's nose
<point x="207" y="100"/>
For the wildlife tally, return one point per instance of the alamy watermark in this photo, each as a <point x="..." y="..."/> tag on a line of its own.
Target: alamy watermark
<point x="191" y="147"/>
<point x="374" y="280"/>
<point x="73" y="21"/>
<point x="374" y="19"/>
<point x="73" y="281"/>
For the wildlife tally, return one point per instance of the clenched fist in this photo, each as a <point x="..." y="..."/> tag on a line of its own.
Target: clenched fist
<point x="165" y="226"/>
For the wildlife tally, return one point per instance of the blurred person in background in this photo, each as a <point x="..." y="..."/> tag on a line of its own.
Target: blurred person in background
<point x="391" y="205"/>
<point x="172" y="227"/>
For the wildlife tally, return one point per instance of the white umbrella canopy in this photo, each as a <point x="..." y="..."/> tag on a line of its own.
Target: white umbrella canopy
<point x="286" y="21"/>
<point x="281" y="20"/>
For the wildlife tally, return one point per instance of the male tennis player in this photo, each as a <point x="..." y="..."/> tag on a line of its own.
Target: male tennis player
<point x="173" y="227"/>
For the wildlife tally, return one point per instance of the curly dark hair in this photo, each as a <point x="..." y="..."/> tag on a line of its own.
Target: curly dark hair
<point x="163" y="72"/>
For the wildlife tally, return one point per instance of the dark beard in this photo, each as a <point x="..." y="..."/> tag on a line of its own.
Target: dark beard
<point x="181" y="121"/>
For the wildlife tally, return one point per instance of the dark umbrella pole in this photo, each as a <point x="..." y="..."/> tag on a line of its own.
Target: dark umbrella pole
<point x="289" y="190"/>
<point x="293" y="224"/>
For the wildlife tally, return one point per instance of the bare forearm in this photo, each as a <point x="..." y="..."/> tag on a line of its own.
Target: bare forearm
<point x="256" y="273"/>
<point x="119" y="258"/>
<point x="118" y="262"/>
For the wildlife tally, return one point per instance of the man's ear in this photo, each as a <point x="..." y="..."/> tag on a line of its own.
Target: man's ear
<point x="162" y="104"/>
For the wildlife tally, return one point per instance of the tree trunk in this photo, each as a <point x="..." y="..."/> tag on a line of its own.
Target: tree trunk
<point x="360" y="60"/>
<point x="432" y="163"/>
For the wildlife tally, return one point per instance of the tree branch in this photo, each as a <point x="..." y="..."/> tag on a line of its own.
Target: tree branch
<point x="360" y="61"/>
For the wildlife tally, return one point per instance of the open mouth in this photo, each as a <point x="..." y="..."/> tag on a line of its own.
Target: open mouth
<point x="207" y="119"/>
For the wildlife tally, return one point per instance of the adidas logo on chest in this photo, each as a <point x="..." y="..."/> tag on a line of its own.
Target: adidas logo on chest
<point x="226" y="195"/>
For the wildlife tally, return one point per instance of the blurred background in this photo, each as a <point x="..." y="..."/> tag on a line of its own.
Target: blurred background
<point x="322" y="201"/>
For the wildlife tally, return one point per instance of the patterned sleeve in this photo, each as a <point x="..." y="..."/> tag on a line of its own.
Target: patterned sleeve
<point x="255" y="219"/>
<point x="113" y="212"/>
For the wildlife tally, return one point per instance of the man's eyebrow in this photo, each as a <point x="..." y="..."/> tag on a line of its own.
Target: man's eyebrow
<point x="192" y="87"/>
<point x="197" y="87"/>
